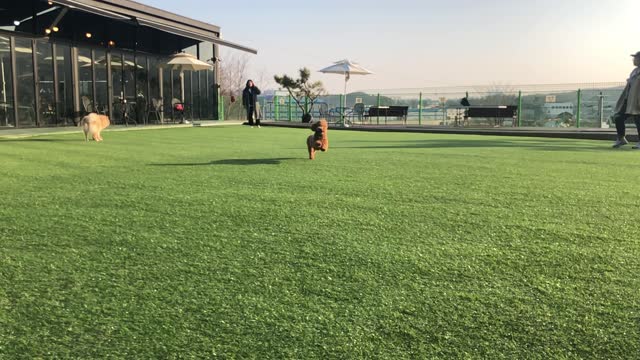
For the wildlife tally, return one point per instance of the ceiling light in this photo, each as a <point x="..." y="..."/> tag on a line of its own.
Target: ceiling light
<point x="55" y="29"/>
<point x="47" y="31"/>
<point x="16" y="22"/>
<point x="112" y="43"/>
<point x="50" y="2"/>
<point x="88" y="35"/>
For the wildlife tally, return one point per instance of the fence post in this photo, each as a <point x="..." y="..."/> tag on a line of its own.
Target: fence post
<point x="264" y="107"/>
<point x="219" y="97"/>
<point x="276" y="108"/>
<point x="579" y="106"/>
<point x="341" y="108"/>
<point x="378" y="112"/>
<point x="222" y="108"/>
<point x="420" y="110"/>
<point x="519" y="108"/>
<point x="289" y="107"/>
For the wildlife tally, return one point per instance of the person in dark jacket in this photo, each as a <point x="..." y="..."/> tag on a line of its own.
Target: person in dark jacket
<point x="250" y="102"/>
<point x="628" y="105"/>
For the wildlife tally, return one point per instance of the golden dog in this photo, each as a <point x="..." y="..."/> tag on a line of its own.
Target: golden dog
<point x="94" y="124"/>
<point x="319" y="140"/>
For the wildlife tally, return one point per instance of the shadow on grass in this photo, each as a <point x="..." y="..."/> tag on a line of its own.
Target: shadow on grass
<point x="269" y="161"/>
<point x="27" y="139"/>
<point x="553" y="145"/>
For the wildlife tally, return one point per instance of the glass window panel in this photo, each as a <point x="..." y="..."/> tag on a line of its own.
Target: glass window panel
<point x="142" y="82"/>
<point x="85" y="78"/>
<point x="195" y="94"/>
<point x="26" y="92"/>
<point x="117" y="89"/>
<point x="154" y="80"/>
<point x="7" y="118"/>
<point x="176" y="91"/>
<point x="47" y="106"/>
<point x="211" y="95"/>
<point x="102" y="86"/>
<point x="129" y="81"/>
<point x="65" y="88"/>
<point x="205" y="51"/>
<point x="202" y="94"/>
<point x="175" y="86"/>
<point x="188" y="98"/>
<point x="167" y="88"/>
<point x="193" y="50"/>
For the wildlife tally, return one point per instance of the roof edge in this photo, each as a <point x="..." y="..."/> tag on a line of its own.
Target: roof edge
<point x="143" y="9"/>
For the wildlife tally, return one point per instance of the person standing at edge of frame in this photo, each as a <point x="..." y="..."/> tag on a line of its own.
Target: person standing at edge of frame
<point x="628" y="105"/>
<point x="249" y="101"/>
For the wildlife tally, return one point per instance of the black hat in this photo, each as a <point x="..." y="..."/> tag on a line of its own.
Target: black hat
<point x="636" y="54"/>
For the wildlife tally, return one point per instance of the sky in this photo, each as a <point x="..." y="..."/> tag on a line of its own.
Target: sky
<point x="425" y="43"/>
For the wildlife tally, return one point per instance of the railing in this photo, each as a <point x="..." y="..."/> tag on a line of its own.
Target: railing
<point x="558" y="105"/>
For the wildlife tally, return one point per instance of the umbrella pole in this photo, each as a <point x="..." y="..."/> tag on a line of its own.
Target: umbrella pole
<point x="182" y="96"/>
<point x="344" y="105"/>
<point x="182" y="86"/>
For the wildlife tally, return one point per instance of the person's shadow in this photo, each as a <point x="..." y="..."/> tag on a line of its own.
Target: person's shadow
<point x="268" y="161"/>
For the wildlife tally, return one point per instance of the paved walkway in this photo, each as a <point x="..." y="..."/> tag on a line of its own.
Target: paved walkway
<point x="27" y="132"/>
<point x="567" y="133"/>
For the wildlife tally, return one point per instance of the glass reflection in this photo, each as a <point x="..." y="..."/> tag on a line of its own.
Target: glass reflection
<point x="142" y="90"/>
<point x="101" y="85"/>
<point x="7" y="118"/>
<point x="47" y="100"/>
<point x="25" y="85"/>
<point x="85" y="80"/>
<point x="65" y="88"/>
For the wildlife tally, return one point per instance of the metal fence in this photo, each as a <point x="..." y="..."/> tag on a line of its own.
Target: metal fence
<point x="558" y="105"/>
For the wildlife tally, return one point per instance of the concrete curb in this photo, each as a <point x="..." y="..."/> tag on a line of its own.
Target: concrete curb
<point x="30" y="132"/>
<point x="563" y="133"/>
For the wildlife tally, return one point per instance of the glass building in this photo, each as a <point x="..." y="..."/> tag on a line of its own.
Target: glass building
<point x="61" y="59"/>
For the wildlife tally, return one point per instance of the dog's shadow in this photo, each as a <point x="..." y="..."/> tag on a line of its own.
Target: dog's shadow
<point x="268" y="161"/>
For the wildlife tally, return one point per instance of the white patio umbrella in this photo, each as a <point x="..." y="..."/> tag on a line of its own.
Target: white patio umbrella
<point x="182" y="62"/>
<point x="346" y="68"/>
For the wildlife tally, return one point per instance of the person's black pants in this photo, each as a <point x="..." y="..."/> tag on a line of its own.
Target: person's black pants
<point x="251" y="114"/>
<point x="620" y="123"/>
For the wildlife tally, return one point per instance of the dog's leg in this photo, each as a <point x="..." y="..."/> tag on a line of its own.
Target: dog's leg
<point x="85" y="128"/>
<point x="310" y="147"/>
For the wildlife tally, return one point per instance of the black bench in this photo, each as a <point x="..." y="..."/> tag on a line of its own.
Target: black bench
<point x="499" y="112"/>
<point x="399" y="112"/>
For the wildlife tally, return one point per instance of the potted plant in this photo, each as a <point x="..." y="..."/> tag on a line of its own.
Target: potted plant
<point x="302" y="88"/>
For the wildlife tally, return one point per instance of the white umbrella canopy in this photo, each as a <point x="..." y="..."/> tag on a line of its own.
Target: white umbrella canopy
<point x="346" y="68"/>
<point x="182" y="62"/>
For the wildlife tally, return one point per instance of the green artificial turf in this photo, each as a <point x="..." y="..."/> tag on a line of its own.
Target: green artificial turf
<point x="228" y="242"/>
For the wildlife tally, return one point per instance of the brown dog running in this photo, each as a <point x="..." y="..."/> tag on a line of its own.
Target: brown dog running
<point x="94" y="124"/>
<point x="319" y="140"/>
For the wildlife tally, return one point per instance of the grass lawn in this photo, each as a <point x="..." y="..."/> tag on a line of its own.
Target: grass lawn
<point x="227" y="242"/>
